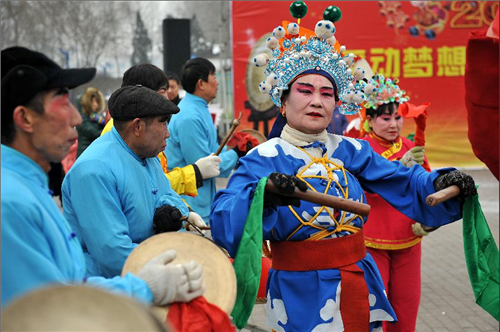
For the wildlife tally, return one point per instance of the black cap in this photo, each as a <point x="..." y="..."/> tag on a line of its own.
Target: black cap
<point x="130" y="102"/>
<point x="26" y="73"/>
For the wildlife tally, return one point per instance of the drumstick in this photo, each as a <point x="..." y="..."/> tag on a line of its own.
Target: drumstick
<point x="442" y="195"/>
<point x="205" y="228"/>
<point x="196" y="228"/>
<point x="324" y="199"/>
<point x="236" y="123"/>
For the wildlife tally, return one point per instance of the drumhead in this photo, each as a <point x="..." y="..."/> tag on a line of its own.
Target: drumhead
<point x="219" y="278"/>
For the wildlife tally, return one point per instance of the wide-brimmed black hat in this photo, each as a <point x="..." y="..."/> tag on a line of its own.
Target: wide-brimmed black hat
<point x="130" y="102"/>
<point x="26" y="73"/>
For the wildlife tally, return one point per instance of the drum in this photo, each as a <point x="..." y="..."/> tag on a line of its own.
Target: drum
<point x="254" y="133"/>
<point x="255" y="75"/>
<point x="219" y="278"/>
<point x="78" y="308"/>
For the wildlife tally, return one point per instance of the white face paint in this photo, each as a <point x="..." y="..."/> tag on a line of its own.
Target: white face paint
<point x="309" y="106"/>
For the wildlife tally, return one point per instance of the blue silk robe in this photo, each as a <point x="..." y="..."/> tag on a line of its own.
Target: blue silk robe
<point x="309" y="301"/>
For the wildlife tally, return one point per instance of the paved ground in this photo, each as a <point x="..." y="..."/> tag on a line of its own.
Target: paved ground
<point x="447" y="303"/>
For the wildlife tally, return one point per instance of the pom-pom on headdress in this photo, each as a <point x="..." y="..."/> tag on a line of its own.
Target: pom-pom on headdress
<point x="297" y="50"/>
<point x="380" y="90"/>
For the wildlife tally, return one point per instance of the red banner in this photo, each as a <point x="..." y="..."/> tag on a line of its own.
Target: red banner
<point x="420" y="42"/>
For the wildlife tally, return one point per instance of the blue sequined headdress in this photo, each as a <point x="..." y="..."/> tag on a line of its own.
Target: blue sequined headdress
<point x="381" y="90"/>
<point x="297" y="50"/>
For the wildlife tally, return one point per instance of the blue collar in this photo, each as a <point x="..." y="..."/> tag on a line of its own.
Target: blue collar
<point x="195" y="99"/>
<point x="24" y="166"/>
<point x="119" y="139"/>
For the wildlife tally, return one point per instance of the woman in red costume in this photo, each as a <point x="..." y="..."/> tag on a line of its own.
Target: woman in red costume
<point x="392" y="238"/>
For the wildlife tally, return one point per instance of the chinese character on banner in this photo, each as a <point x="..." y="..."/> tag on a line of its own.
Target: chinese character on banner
<point x="386" y="61"/>
<point x="451" y="61"/>
<point x="417" y="62"/>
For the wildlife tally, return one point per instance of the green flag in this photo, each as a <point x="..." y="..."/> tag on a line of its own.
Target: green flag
<point x="248" y="261"/>
<point x="481" y="256"/>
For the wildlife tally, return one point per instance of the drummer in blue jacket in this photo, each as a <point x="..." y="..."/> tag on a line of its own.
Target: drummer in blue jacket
<point x="38" y="247"/>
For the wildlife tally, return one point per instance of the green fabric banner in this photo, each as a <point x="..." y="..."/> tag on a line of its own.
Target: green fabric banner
<point x="248" y="261"/>
<point x="481" y="256"/>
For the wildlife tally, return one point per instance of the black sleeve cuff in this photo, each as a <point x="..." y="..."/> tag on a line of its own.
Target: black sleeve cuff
<point x="199" y="179"/>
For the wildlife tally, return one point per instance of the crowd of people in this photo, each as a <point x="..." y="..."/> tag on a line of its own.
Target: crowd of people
<point x="146" y="164"/>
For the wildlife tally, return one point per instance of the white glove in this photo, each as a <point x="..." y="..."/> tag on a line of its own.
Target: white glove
<point x="193" y="287"/>
<point x="172" y="282"/>
<point x="413" y="156"/>
<point x="418" y="230"/>
<point x="209" y="166"/>
<point x="197" y="220"/>
<point x="422" y="230"/>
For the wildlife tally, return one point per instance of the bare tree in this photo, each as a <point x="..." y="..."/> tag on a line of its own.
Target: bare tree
<point x="141" y="43"/>
<point x="209" y="23"/>
<point x="21" y="25"/>
<point x="153" y="13"/>
<point x="87" y="29"/>
<point x="9" y="20"/>
<point x="212" y="13"/>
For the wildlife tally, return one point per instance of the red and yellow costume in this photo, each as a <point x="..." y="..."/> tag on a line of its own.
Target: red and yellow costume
<point x="390" y="240"/>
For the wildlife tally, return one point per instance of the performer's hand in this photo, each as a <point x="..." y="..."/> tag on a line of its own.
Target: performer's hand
<point x="413" y="156"/>
<point x="463" y="181"/>
<point x="286" y="184"/>
<point x="208" y="166"/>
<point x="172" y="282"/>
<point x="197" y="220"/>
<point x="422" y="230"/>
<point x="167" y="219"/>
<point x="193" y="287"/>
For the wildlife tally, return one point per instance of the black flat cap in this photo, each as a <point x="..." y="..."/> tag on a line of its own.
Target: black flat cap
<point x="130" y="102"/>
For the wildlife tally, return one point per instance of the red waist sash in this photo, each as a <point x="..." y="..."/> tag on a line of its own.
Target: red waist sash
<point x="318" y="255"/>
<point x="339" y="253"/>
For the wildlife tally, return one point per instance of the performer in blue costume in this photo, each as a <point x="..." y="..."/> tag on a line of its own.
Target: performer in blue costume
<point x="322" y="278"/>
<point x="38" y="246"/>
<point x="111" y="193"/>
<point x="193" y="131"/>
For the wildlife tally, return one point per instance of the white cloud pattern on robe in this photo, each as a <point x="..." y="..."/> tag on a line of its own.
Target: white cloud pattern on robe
<point x="329" y="311"/>
<point x="275" y="314"/>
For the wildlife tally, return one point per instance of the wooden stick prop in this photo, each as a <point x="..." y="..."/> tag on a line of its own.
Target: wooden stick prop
<point x="324" y="199"/>
<point x="442" y="195"/>
<point x="236" y="123"/>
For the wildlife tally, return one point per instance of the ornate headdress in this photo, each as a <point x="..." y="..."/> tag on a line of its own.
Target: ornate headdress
<point x="380" y="90"/>
<point x="297" y="50"/>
